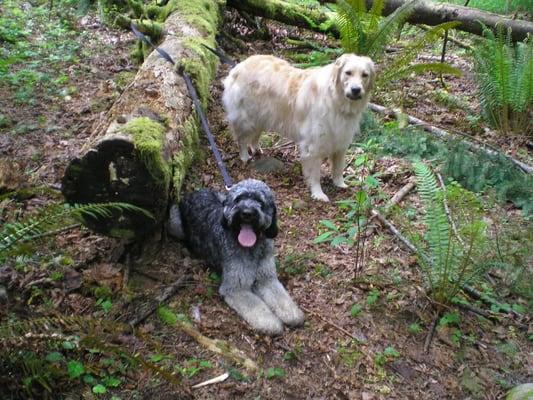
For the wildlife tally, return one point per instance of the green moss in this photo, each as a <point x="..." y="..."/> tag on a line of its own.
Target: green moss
<point x="201" y="66"/>
<point x="203" y="14"/>
<point x="187" y="153"/>
<point x="148" y="138"/>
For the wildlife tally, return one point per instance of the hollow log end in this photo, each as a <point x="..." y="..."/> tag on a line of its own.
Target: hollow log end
<point x="113" y="172"/>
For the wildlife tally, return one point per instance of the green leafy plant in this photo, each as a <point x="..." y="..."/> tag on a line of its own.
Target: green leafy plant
<point x="415" y="328"/>
<point x="349" y="354"/>
<point x="504" y="75"/>
<point x="372" y="297"/>
<point x="194" y="366"/>
<point x="355" y="310"/>
<point x="365" y="32"/>
<point x="388" y="354"/>
<point x="275" y="372"/>
<point x="451" y="252"/>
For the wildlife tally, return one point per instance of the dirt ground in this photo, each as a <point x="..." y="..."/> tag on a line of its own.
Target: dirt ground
<point x="374" y="354"/>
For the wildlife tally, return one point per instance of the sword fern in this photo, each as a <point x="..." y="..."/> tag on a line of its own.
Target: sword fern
<point x="504" y="75"/>
<point x="450" y="255"/>
<point x="366" y="32"/>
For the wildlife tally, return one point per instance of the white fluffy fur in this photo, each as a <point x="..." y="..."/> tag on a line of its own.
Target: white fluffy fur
<point x="319" y="108"/>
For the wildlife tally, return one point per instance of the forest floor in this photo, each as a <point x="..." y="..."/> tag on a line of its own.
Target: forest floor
<point x="365" y="326"/>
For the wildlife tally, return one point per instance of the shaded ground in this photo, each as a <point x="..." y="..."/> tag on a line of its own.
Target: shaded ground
<point x="374" y="353"/>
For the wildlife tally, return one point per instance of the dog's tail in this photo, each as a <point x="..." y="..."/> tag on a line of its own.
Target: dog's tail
<point x="220" y="54"/>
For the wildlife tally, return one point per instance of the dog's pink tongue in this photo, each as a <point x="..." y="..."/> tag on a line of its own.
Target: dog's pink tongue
<point x="247" y="237"/>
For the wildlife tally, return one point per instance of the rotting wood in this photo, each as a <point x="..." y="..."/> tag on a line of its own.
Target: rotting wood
<point x="140" y="151"/>
<point x="322" y="19"/>
<point x="442" y="134"/>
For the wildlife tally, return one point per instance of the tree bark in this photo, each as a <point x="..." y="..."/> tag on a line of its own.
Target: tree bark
<point x="470" y="18"/>
<point x="140" y="151"/>
<point x="322" y="20"/>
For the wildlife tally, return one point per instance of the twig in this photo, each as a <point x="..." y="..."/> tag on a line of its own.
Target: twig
<point x="400" y="194"/>
<point x="443" y="56"/>
<point x="450" y="39"/>
<point x="442" y="134"/>
<point x="431" y="333"/>
<point x="478" y="311"/>
<point x="340" y="328"/>
<point x="169" y="291"/>
<point x="280" y="146"/>
<point x="394" y="200"/>
<point x="218" y="379"/>
<point x="217" y="346"/>
<point x="476" y="295"/>
<point x="447" y="211"/>
<point x="394" y="230"/>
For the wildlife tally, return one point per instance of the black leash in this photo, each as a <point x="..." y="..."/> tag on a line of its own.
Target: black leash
<point x="196" y="101"/>
<point x="221" y="56"/>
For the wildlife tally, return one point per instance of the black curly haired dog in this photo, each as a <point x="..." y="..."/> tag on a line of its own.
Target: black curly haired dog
<point x="234" y="234"/>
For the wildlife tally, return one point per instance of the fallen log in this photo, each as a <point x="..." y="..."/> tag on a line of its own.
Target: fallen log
<point x="429" y="13"/>
<point x="322" y="19"/>
<point x="140" y="151"/>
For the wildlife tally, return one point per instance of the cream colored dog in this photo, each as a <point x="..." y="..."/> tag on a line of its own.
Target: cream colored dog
<point x="319" y="108"/>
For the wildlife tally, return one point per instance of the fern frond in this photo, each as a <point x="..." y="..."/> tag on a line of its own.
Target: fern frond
<point x="379" y="38"/>
<point x="504" y="73"/>
<point x="375" y="15"/>
<point x="395" y="69"/>
<point x="438" y="229"/>
<point x="350" y="22"/>
<point x="12" y="233"/>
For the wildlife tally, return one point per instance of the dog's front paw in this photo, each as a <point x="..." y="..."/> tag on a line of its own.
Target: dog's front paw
<point x="340" y="183"/>
<point x="320" y="196"/>
<point x="268" y="325"/>
<point x="295" y="318"/>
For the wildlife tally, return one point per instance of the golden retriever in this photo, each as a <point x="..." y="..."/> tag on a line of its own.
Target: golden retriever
<point x="319" y="108"/>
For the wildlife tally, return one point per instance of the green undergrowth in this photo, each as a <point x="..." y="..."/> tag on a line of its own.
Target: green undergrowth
<point x="36" y="45"/>
<point x="474" y="170"/>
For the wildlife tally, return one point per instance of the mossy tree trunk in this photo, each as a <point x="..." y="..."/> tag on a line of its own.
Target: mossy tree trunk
<point x="140" y="151"/>
<point x="320" y="18"/>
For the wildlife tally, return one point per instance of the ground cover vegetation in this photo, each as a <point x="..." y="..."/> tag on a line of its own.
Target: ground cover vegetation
<point x="458" y="302"/>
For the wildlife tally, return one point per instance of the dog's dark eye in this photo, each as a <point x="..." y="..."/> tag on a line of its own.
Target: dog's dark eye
<point x="365" y="74"/>
<point x="349" y="73"/>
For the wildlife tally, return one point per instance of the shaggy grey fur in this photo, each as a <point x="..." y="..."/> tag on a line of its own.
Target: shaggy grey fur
<point x="209" y="224"/>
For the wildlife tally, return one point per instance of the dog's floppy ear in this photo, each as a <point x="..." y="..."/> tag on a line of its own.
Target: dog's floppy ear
<point x="272" y="231"/>
<point x="372" y="70"/>
<point x="223" y="220"/>
<point x="337" y="68"/>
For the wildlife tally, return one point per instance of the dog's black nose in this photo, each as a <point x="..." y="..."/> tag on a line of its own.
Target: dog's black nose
<point x="356" y="90"/>
<point x="247" y="213"/>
